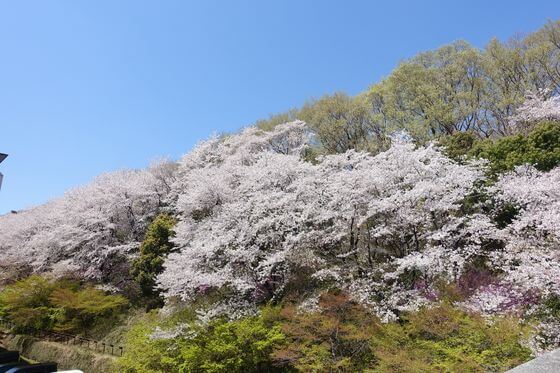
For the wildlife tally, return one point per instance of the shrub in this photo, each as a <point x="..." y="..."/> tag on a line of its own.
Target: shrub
<point x="458" y="145"/>
<point x="237" y="346"/>
<point x="335" y="338"/>
<point x="343" y="336"/>
<point x="26" y="303"/>
<point x="340" y="335"/>
<point x="544" y="146"/>
<point x="145" y="354"/>
<point x="444" y="338"/>
<point x="81" y="309"/>
<point x="36" y="303"/>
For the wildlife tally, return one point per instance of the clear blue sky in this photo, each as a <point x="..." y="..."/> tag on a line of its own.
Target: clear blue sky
<point x="89" y="87"/>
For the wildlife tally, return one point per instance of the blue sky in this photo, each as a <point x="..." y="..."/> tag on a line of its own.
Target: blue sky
<point x="90" y="87"/>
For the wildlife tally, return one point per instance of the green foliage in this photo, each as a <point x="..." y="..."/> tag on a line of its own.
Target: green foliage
<point x="540" y="147"/>
<point x="80" y="309"/>
<point x="458" y="145"/>
<point x="339" y="121"/>
<point x="339" y="336"/>
<point x="444" y="338"/>
<point x="237" y="346"/>
<point x="343" y="336"/>
<point x="544" y="146"/>
<point x="437" y="92"/>
<point x="276" y="119"/>
<point x="549" y="309"/>
<point x="453" y="89"/>
<point x="36" y="303"/>
<point x="336" y="338"/>
<point x="459" y="88"/>
<point x="552" y="305"/>
<point x="144" y="354"/>
<point x="155" y="247"/>
<point x="342" y="123"/>
<point x="27" y="304"/>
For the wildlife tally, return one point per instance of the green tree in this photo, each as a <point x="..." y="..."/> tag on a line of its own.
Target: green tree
<point x="153" y="251"/>
<point x="437" y="92"/>
<point x="342" y="122"/>
<point x="276" y="119"/>
<point x="26" y="303"/>
<point x="455" y="88"/>
<point x="540" y="148"/>
<point x="35" y="303"/>
<point x="80" y="309"/>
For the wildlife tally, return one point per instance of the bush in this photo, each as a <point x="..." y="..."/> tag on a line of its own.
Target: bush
<point x="335" y="338"/>
<point x="144" y="354"/>
<point x="36" y="303"/>
<point x="445" y="338"/>
<point x="343" y="336"/>
<point x="27" y="304"/>
<point x="458" y="145"/>
<point x="81" y="309"/>
<point x="340" y="335"/>
<point x="237" y="346"/>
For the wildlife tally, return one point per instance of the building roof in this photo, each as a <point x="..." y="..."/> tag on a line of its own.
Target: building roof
<point x="548" y="363"/>
<point x="2" y="157"/>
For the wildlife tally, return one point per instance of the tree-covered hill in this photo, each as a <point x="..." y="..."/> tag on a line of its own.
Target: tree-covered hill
<point x="414" y="227"/>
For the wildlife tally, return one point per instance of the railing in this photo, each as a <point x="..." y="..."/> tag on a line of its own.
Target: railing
<point x="69" y="339"/>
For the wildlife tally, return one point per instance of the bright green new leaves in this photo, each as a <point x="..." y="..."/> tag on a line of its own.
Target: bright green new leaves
<point x="27" y="304"/>
<point x="36" y="303"/>
<point x="82" y="308"/>
<point x="340" y="335"/>
<point x="445" y="338"/>
<point x="342" y="123"/>
<point x="456" y="88"/>
<point x="237" y="346"/>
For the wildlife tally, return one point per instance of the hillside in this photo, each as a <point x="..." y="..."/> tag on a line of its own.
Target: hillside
<point x="415" y="227"/>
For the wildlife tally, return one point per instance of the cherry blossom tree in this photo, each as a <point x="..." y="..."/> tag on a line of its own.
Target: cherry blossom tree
<point x="90" y="226"/>
<point x="255" y="216"/>
<point x="536" y="108"/>
<point x="258" y="215"/>
<point x="531" y="257"/>
<point x="523" y="255"/>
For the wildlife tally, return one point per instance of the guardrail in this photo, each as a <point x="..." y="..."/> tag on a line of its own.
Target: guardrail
<point x="69" y="339"/>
